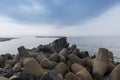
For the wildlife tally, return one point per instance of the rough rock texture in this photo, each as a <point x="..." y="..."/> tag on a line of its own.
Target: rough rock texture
<point x="58" y="61"/>
<point x="51" y="76"/>
<point x="115" y="74"/>
<point x="61" y="68"/>
<point x="59" y="44"/>
<point x="101" y="63"/>
<point x="3" y="78"/>
<point x="82" y="71"/>
<point x="33" y="67"/>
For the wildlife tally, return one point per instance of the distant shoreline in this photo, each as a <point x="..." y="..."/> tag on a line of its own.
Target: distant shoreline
<point x="6" y="39"/>
<point x="50" y="36"/>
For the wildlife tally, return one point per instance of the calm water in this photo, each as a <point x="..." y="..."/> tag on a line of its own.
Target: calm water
<point x="91" y="44"/>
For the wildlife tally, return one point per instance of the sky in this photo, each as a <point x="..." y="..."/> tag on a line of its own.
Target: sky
<point x="60" y="17"/>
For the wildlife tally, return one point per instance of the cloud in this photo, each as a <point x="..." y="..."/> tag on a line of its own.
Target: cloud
<point x="31" y="8"/>
<point x="55" y="12"/>
<point x="106" y="24"/>
<point x="10" y="27"/>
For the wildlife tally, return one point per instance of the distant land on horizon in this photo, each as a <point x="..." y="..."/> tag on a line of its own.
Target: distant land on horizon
<point x="50" y="36"/>
<point x="6" y="39"/>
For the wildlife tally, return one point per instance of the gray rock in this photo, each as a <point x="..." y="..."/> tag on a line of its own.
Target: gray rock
<point x="115" y="74"/>
<point x="100" y="65"/>
<point x="59" y="44"/>
<point x="51" y="76"/>
<point x="54" y="57"/>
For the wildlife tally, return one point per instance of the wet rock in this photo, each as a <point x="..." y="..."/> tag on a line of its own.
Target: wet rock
<point x="51" y="76"/>
<point x="33" y="67"/>
<point x="3" y="78"/>
<point x="115" y="74"/>
<point x="79" y="71"/>
<point x="47" y="64"/>
<point x="101" y="63"/>
<point x="59" y="44"/>
<point x="61" y="68"/>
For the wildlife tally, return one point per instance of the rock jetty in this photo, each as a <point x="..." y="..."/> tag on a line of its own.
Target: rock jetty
<point x="58" y="61"/>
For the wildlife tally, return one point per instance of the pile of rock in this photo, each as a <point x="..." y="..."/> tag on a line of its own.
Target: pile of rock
<point x="58" y="61"/>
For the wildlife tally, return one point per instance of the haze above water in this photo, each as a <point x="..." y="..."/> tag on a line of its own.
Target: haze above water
<point x="88" y="43"/>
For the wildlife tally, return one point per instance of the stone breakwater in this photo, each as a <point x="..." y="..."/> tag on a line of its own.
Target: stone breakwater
<point x="58" y="61"/>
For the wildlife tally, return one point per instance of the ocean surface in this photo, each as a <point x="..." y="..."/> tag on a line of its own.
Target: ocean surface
<point x="88" y="43"/>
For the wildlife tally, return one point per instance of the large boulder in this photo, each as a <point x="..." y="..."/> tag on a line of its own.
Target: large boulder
<point x="40" y="57"/>
<point x="54" y="57"/>
<point x="100" y="65"/>
<point x="69" y="76"/>
<point x="81" y="72"/>
<point x="115" y="74"/>
<point x="59" y="44"/>
<point x="63" y="52"/>
<point x="23" y="52"/>
<point x="61" y="68"/>
<point x="47" y="64"/>
<point x="75" y="59"/>
<point x="3" y="78"/>
<point x="33" y="67"/>
<point x="17" y="67"/>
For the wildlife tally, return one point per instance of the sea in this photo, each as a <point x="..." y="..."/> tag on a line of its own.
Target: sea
<point x="84" y="43"/>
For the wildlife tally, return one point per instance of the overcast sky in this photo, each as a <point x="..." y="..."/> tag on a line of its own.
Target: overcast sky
<point x="60" y="17"/>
